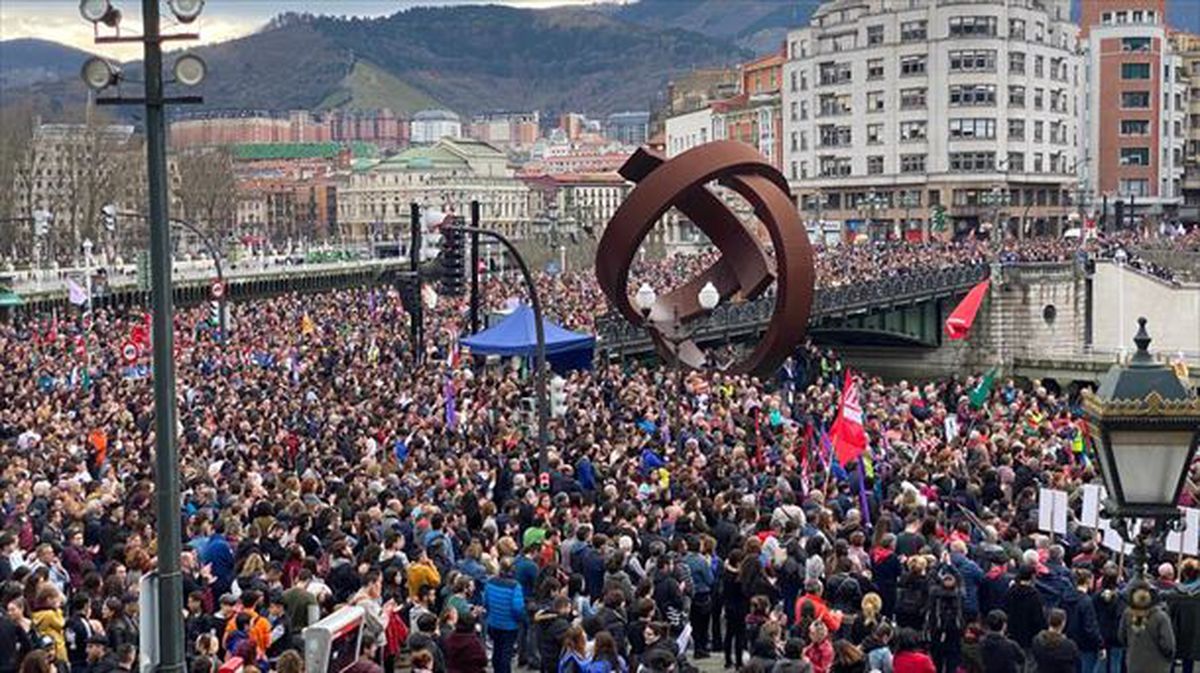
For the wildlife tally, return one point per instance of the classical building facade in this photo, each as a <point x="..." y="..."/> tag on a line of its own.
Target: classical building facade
<point x="374" y="202"/>
<point x="896" y="109"/>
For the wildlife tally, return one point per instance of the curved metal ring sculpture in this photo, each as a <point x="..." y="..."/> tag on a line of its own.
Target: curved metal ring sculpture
<point x="744" y="268"/>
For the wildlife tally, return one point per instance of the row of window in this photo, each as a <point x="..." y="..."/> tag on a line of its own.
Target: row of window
<point x="983" y="128"/>
<point x="960" y="95"/>
<point x="918" y="31"/>
<point x="961" y="60"/>
<point x="957" y="162"/>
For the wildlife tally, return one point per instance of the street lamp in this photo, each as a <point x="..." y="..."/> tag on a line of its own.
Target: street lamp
<point x="100" y="11"/>
<point x="870" y="204"/>
<point x="909" y="200"/>
<point x="997" y="198"/>
<point x="100" y="73"/>
<point x="1148" y="425"/>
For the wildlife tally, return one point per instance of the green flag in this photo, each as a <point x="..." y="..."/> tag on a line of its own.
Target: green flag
<point x="980" y="394"/>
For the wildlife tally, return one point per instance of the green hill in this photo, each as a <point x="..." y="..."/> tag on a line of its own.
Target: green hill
<point x="367" y="87"/>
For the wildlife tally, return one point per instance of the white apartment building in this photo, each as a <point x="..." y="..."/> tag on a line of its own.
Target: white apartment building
<point x="430" y="126"/>
<point x="375" y="202"/>
<point x="687" y="130"/>
<point x="895" y="108"/>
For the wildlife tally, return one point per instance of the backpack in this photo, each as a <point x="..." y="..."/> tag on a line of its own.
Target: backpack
<point x="946" y="616"/>
<point x="910" y="600"/>
<point x="438" y="551"/>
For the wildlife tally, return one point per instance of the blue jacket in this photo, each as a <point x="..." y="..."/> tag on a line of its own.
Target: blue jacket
<point x="525" y="570"/>
<point x="505" y="603"/>
<point x="702" y="574"/>
<point x="972" y="576"/>
<point x="218" y="553"/>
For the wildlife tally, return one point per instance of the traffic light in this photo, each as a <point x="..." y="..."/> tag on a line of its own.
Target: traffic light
<point x="558" y="397"/>
<point x="452" y="257"/>
<point x="410" y="294"/>
<point x="214" y="313"/>
<point x="108" y="215"/>
<point x="1120" y="216"/>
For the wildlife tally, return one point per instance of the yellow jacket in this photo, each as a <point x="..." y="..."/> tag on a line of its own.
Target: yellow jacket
<point x="421" y="574"/>
<point x="52" y="623"/>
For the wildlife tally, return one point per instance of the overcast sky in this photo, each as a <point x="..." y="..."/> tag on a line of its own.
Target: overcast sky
<point x="59" y="20"/>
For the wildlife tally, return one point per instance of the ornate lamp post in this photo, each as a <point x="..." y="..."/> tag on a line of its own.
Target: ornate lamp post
<point x="707" y="298"/>
<point x="1146" y="424"/>
<point x="870" y="204"/>
<point x="998" y="199"/>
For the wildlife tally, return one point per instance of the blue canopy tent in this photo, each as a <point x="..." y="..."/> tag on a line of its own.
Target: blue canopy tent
<point x="516" y="335"/>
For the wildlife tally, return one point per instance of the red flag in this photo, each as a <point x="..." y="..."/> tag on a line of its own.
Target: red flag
<point x="960" y="321"/>
<point x="849" y="439"/>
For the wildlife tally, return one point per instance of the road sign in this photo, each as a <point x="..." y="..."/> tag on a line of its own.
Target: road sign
<point x="218" y="289"/>
<point x="129" y="351"/>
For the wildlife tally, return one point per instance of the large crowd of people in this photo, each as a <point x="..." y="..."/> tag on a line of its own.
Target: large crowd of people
<point x="688" y="518"/>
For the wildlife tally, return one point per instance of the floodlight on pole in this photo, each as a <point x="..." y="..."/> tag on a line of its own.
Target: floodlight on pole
<point x="186" y="11"/>
<point x="645" y="298"/>
<point x="709" y="297"/>
<point x="99" y="73"/>
<point x="100" y="11"/>
<point x="190" y="70"/>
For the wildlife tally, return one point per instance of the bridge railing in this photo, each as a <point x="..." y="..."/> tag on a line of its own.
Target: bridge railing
<point x="614" y="333"/>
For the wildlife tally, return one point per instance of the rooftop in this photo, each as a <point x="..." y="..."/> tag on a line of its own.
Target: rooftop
<point x="271" y="151"/>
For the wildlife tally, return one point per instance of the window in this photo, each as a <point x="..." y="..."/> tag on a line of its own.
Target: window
<point x="1016" y="96"/>
<point x="1135" y="71"/>
<point x="1135" y="187"/>
<point x="874" y="35"/>
<point x="803" y="109"/>
<point x="795" y="114"/>
<point x="972" y="129"/>
<point x="972" y="162"/>
<point x="912" y="65"/>
<point x="794" y="81"/>
<point x="1135" y="44"/>
<point x="1058" y="133"/>
<point x="913" y="31"/>
<point x="875" y="101"/>
<point x="1039" y="131"/>
<point x="912" y="99"/>
<point x="912" y="131"/>
<point x="875" y="68"/>
<point x="803" y="141"/>
<point x="1039" y="66"/>
<point x="1016" y="62"/>
<point x="834" y="136"/>
<point x="804" y="80"/>
<point x="1016" y="162"/>
<point x="966" y="26"/>
<point x="912" y="163"/>
<point x="834" y="73"/>
<point x="1135" y="156"/>
<point x="875" y="165"/>
<point x="962" y="95"/>
<point x="874" y="134"/>
<point x="1058" y="69"/>
<point x="830" y="167"/>
<point x="1037" y="162"/>
<point x="1039" y="99"/>
<point x="1016" y="129"/>
<point x="1135" y="100"/>
<point x="1016" y="29"/>
<point x="832" y="105"/>
<point x="975" y="60"/>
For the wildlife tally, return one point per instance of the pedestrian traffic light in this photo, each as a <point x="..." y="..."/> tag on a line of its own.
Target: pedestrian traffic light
<point x="452" y="257"/>
<point x="558" y="397"/>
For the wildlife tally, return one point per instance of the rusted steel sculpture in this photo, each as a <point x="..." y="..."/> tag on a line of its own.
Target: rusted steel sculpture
<point x="744" y="270"/>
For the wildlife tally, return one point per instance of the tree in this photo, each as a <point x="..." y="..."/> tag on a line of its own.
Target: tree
<point x="17" y="159"/>
<point x="207" y="190"/>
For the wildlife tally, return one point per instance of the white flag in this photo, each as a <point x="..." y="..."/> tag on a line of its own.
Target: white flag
<point x="75" y="293"/>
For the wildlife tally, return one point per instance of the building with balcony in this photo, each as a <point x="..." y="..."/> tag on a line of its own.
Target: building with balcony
<point x="1137" y="107"/>
<point x="895" y="108"/>
<point x="1188" y="47"/>
<point x="374" y="202"/>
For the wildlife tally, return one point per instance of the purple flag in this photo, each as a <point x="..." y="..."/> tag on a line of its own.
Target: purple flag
<point x="451" y="409"/>
<point x="862" y="494"/>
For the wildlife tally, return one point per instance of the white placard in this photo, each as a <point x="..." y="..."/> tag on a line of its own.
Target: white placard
<point x="1113" y="539"/>
<point x="1061" y="506"/>
<point x="951" y="428"/>
<point x="1185" y="542"/>
<point x="1090" y="516"/>
<point x="1045" y="510"/>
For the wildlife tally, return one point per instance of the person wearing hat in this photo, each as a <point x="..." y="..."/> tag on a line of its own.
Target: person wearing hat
<point x="96" y="659"/>
<point x="1146" y="632"/>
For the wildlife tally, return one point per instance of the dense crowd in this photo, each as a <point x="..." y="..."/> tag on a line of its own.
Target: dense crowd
<point x="687" y="516"/>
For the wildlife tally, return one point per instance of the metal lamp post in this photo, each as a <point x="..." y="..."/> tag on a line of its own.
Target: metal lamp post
<point x="1146" y="424"/>
<point x="909" y="200"/>
<point x="189" y="70"/>
<point x="998" y="198"/>
<point x="540" y="376"/>
<point x="869" y="205"/>
<point x="707" y="298"/>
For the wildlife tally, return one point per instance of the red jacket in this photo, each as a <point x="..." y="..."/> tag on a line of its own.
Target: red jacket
<point x="833" y="620"/>
<point x="912" y="662"/>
